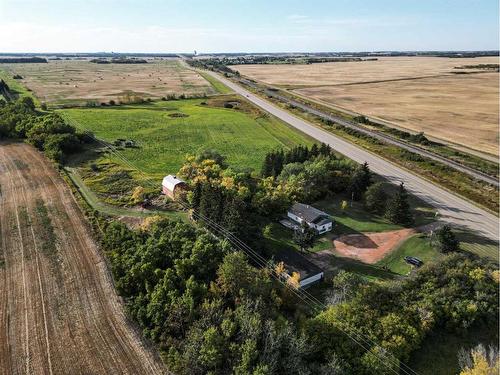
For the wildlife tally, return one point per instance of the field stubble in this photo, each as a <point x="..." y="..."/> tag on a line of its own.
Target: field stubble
<point x="416" y="93"/>
<point x="59" y="313"/>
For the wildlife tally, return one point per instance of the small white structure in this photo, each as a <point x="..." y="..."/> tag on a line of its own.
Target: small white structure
<point x="308" y="280"/>
<point x="313" y="217"/>
<point x="171" y="185"/>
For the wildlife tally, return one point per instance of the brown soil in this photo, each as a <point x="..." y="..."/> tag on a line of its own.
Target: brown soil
<point x="370" y="247"/>
<point x="59" y="311"/>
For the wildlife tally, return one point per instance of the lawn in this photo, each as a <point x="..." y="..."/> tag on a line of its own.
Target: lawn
<point x="167" y="131"/>
<point x="279" y="237"/>
<point x="355" y="218"/>
<point x="441" y="349"/>
<point x="417" y="246"/>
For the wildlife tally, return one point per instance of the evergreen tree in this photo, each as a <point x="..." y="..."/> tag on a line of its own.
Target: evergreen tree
<point x="211" y="202"/>
<point x="325" y="149"/>
<point x="447" y="241"/>
<point x="360" y="180"/>
<point x="314" y="151"/>
<point x="366" y="175"/>
<point x="267" y="166"/>
<point x="233" y="214"/>
<point x="398" y="209"/>
<point x="278" y="163"/>
<point x="196" y="196"/>
<point x="376" y="198"/>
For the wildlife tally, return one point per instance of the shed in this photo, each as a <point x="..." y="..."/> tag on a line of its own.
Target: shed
<point x="296" y="262"/>
<point x="171" y="185"/>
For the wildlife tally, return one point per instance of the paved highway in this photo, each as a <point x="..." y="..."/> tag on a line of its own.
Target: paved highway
<point x="452" y="209"/>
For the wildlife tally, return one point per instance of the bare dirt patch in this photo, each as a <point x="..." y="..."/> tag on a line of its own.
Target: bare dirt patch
<point x="370" y="247"/>
<point x="59" y="313"/>
<point x="73" y="81"/>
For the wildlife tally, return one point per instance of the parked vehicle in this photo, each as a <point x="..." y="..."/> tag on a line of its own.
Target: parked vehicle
<point x="413" y="261"/>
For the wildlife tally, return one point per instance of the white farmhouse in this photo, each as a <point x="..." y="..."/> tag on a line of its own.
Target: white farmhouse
<point x="313" y="217"/>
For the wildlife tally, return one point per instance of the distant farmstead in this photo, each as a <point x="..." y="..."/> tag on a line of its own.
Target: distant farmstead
<point x="172" y="186"/>
<point x="313" y="217"/>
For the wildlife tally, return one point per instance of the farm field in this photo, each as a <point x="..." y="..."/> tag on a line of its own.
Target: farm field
<point x="341" y="73"/>
<point x="462" y="109"/>
<point x="416" y="93"/>
<point x="167" y="131"/>
<point x="76" y="82"/>
<point x="60" y="313"/>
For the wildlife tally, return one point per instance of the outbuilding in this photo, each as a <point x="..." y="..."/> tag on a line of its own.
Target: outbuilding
<point x="172" y="186"/>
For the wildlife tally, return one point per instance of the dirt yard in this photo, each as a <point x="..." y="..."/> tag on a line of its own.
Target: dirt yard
<point x="70" y="81"/>
<point x="59" y="312"/>
<point x="417" y="93"/>
<point x="370" y="247"/>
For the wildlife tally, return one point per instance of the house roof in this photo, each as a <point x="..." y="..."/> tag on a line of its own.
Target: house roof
<point x="296" y="262"/>
<point x="308" y="213"/>
<point x="171" y="181"/>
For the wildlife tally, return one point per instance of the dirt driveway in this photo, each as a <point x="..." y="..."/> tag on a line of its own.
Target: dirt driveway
<point x="370" y="247"/>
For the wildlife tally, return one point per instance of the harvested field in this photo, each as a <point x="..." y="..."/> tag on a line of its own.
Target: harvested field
<point x="78" y="81"/>
<point x="462" y="109"/>
<point x="416" y="93"/>
<point x="339" y="73"/>
<point x="59" y="312"/>
<point x="370" y="247"/>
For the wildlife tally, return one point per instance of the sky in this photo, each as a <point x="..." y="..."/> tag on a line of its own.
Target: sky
<point x="208" y="26"/>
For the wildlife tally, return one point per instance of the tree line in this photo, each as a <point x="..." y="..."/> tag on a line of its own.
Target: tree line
<point x="48" y="132"/>
<point x="211" y="312"/>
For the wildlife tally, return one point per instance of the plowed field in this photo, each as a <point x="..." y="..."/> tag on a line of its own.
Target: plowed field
<point x="59" y="313"/>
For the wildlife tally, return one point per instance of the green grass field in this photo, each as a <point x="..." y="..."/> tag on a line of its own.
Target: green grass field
<point x="417" y="246"/>
<point x="165" y="137"/>
<point x="17" y="87"/>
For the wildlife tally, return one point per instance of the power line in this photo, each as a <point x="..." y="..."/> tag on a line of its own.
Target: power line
<point x="302" y="294"/>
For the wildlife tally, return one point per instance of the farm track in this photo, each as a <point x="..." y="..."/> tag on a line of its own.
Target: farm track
<point x="59" y="312"/>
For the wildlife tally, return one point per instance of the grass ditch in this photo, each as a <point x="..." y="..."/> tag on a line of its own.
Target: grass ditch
<point x="216" y="84"/>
